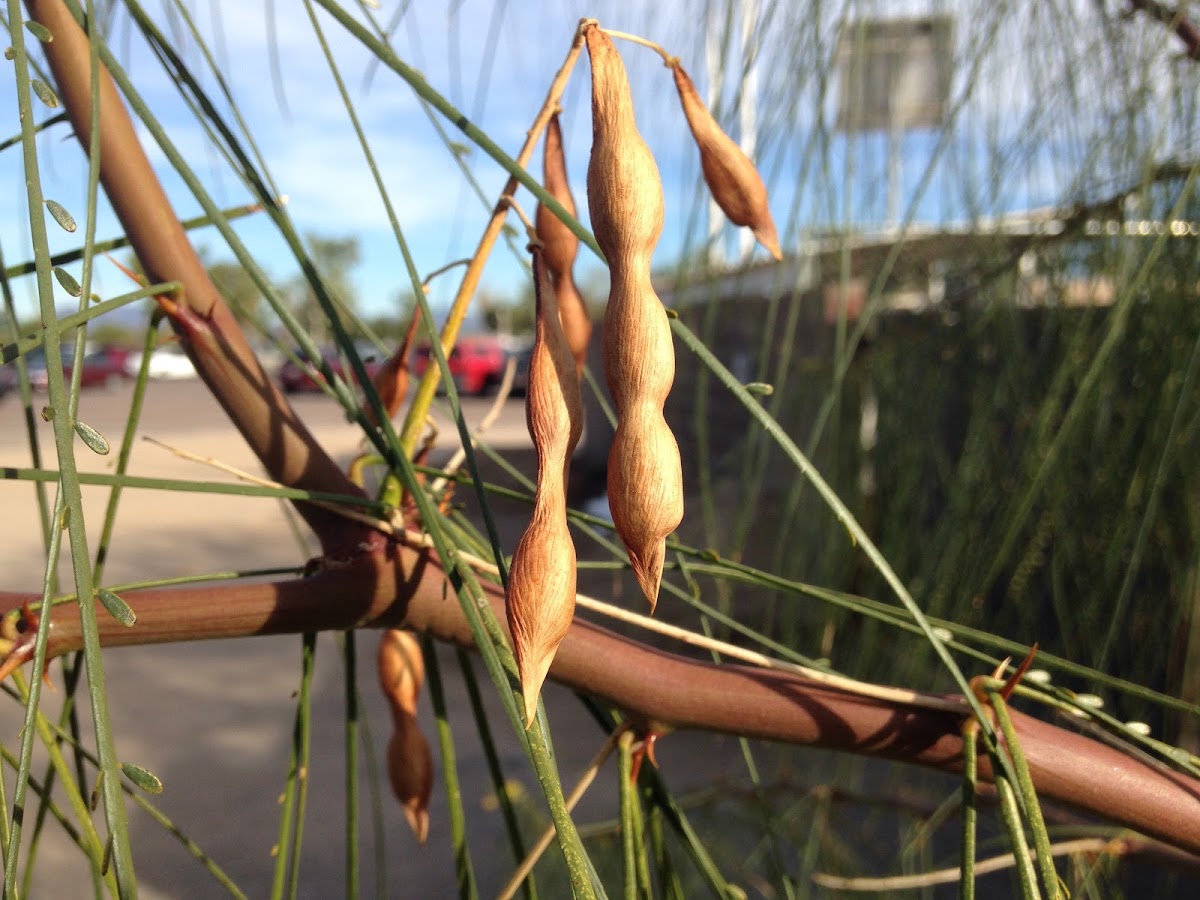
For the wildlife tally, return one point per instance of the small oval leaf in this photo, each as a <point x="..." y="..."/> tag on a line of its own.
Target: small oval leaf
<point x="95" y="440"/>
<point x="61" y="216"/>
<point x="39" y="31"/>
<point x="94" y="801"/>
<point x="117" y="607"/>
<point x="143" y="778"/>
<point x="68" y="282"/>
<point x="45" y="93"/>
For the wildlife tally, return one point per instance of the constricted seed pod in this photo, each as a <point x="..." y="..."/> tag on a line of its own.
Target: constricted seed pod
<point x="410" y="773"/>
<point x="391" y="379"/>
<point x="561" y="247"/>
<point x="731" y="176"/>
<point x="540" y="600"/>
<point x="625" y="199"/>
<point x="401" y="669"/>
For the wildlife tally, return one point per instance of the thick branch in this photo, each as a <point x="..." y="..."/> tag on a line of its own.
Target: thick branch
<point x="206" y="327"/>
<point x="401" y="588"/>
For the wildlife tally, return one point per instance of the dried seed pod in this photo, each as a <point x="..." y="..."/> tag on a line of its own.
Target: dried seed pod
<point x="732" y="178"/>
<point x="561" y="247"/>
<point x="540" y="600"/>
<point x="625" y="199"/>
<point x="391" y="379"/>
<point x="401" y="669"/>
<point x="410" y="772"/>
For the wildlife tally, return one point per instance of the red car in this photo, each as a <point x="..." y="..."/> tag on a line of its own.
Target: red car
<point x="476" y="363"/>
<point x="101" y="368"/>
<point x="295" y="379"/>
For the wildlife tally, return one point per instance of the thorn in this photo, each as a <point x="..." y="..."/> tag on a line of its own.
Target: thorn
<point x="1011" y="684"/>
<point x="644" y="750"/>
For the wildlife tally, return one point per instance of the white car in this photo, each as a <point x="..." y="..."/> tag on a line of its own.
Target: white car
<point x="165" y="363"/>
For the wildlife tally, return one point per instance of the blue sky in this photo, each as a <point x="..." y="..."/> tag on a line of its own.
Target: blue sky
<point x="495" y="60"/>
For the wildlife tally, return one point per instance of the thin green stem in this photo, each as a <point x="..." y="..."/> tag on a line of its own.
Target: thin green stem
<point x="118" y="243"/>
<point x="464" y="872"/>
<point x="71" y="501"/>
<point x="970" y="777"/>
<point x="1028" y="796"/>
<point x="1011" y="815"/>
<point x="291" y="807"/>
<point x="495" y="770"/>
<point x="627" y="791"/>
<point x="21" y="346"/>
<point x="18" y="473"/>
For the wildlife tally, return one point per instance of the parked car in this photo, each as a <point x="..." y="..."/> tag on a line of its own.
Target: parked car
<point x="102" y="367"/>
<point x="476" y="363"/>
<point x="166" y="363"/>
<point x="521" y="375"/>
<point x="296" y="379"/>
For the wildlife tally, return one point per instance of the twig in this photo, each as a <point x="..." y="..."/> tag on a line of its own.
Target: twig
<point x="668" y="59"/>
<point x="1116" y="847"/>
<point x="691" y="638"/>
<point x="502" y="393"/>
<point x="353" y="515"/>
<point x="466" y="290"/>
<point x="585" y="781"/>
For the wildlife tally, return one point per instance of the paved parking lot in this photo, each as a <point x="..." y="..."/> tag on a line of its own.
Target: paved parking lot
<point x="213" y="719"/>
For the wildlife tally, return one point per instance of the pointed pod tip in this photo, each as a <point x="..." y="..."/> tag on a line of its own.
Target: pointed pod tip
<point x="418" y="820"/>
<point x="648" y="569"/>
<point x="765" y="234"/>
<point x="532" y="679"/>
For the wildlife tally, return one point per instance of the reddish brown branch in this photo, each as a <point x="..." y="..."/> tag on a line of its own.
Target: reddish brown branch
<point x="400" y="588"/>
<point x="205" y="325"/>
<point x="394" y="587"/>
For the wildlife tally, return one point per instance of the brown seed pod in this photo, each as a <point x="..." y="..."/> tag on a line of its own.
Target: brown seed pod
<point x="410" y="772"/>
<point x="561" y="248"/>
<point x="391" y="379"/>
<point x="540" y="600"/>
<point x="732" y="178"/>
<point x="625" y="199"/>
<point x="401" y="669"/>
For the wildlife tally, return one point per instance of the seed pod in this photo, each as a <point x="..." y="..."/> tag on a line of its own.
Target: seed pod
<point x="540" y="600"/>
<point x="391" y="379"/>
<point x="561" y="247"/>
<point x="401" y="670"/>
<point x="410" y="772"/>
<point x="625" y="199"/>
<point x="732" y="178"/>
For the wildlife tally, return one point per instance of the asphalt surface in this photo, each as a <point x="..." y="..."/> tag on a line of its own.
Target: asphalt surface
<point x="213" y="720"/>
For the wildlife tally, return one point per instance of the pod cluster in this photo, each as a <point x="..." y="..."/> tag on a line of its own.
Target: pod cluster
<point x="645" y="475"/>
